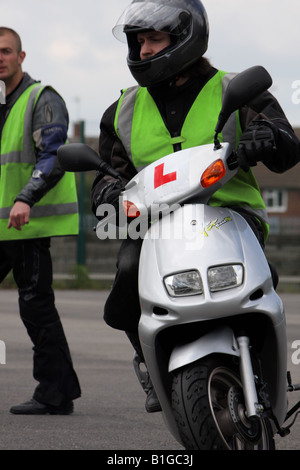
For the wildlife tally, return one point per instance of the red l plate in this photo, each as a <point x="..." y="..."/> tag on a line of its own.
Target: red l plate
<point x="160" y="179"/>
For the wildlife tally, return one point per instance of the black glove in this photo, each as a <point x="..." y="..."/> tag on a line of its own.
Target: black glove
<point x="110" y="195"/>
<point x="256" y="143"/>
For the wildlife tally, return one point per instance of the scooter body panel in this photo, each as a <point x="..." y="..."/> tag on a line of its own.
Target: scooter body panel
<point x="208" y="236"/>
<point x="221" y="340"/>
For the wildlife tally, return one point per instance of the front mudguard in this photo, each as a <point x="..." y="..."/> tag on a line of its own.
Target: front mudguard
<point x="221" y="340"/>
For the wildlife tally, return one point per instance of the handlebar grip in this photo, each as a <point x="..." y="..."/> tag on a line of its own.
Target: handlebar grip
<point x="108" y="170"/>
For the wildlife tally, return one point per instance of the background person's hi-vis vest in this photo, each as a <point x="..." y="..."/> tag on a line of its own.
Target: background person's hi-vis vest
<point x="139" y="125"/>
<point x="57" y="212"/>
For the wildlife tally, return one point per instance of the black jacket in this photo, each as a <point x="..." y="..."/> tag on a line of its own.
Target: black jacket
<point x="174" y="104"/>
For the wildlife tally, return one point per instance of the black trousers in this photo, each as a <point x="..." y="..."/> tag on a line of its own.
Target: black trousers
<point x="31" y="263"/>
<point x="122" y="308"/>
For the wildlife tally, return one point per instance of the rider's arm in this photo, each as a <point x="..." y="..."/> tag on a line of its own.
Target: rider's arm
<point x="267" y="111"/>
<point x="111" y="150"/>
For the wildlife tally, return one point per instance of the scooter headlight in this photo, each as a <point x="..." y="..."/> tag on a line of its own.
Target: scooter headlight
<point x="225" y="277"/>
<point x="184" y="284"/>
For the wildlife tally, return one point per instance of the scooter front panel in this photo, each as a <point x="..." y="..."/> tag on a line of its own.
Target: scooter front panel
<point x="198" y="237"/>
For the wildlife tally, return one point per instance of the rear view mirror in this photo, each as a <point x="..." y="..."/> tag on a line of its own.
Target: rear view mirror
<point x="243" y="88"/>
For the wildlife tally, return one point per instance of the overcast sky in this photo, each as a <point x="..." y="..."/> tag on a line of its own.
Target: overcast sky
<point x="69" y="44"/>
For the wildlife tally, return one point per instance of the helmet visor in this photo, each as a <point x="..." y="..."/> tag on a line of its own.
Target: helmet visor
<point x="150" y="15"/>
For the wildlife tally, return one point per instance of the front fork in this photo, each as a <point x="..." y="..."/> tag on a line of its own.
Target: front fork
<point x="253" y="407"/>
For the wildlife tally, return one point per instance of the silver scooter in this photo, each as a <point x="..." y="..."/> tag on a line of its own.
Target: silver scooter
<point x="212" y="326"/>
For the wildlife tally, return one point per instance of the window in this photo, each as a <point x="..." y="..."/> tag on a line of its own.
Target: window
<point x="276" y="200"/>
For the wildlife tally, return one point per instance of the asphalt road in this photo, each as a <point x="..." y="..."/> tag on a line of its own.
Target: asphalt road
<point x="110" y="415"/>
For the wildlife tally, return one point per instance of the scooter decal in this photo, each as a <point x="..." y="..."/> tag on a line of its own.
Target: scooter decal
<point x="215" y="223"/>
<point x="160" y="179"/>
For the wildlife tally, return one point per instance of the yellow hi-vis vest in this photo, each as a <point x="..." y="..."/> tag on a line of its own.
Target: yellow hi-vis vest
<point x="140" y="127"/>
<point x="57" y="212"/>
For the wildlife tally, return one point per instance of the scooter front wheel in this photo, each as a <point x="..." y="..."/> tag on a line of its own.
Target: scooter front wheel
<point x="209" y="410"/>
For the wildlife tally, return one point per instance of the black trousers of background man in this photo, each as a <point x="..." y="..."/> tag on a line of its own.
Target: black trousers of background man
<point x="31" y="263"/>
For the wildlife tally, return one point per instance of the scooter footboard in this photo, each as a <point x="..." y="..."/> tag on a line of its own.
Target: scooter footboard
<point x="221" y="340"/>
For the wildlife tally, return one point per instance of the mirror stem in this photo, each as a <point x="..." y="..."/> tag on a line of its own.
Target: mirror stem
<point x="217" y="142"/>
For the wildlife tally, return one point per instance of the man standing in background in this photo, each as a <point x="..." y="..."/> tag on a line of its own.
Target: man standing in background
<point x="37" y="201"/>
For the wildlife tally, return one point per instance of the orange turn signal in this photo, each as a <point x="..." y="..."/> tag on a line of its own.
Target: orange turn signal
<point x="213" y="173"/>
<point x="130" y="209"/>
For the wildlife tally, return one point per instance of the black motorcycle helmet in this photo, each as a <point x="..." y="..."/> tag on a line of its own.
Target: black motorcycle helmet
<point x="185" y="21"/>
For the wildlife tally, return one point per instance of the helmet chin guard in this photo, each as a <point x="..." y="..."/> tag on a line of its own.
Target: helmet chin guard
<point x="185" y="21"/>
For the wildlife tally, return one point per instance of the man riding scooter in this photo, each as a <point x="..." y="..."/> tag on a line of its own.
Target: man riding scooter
<point x="174" y="107"/>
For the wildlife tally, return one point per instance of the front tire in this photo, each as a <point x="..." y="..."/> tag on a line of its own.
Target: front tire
<point x="209" y="409"/>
